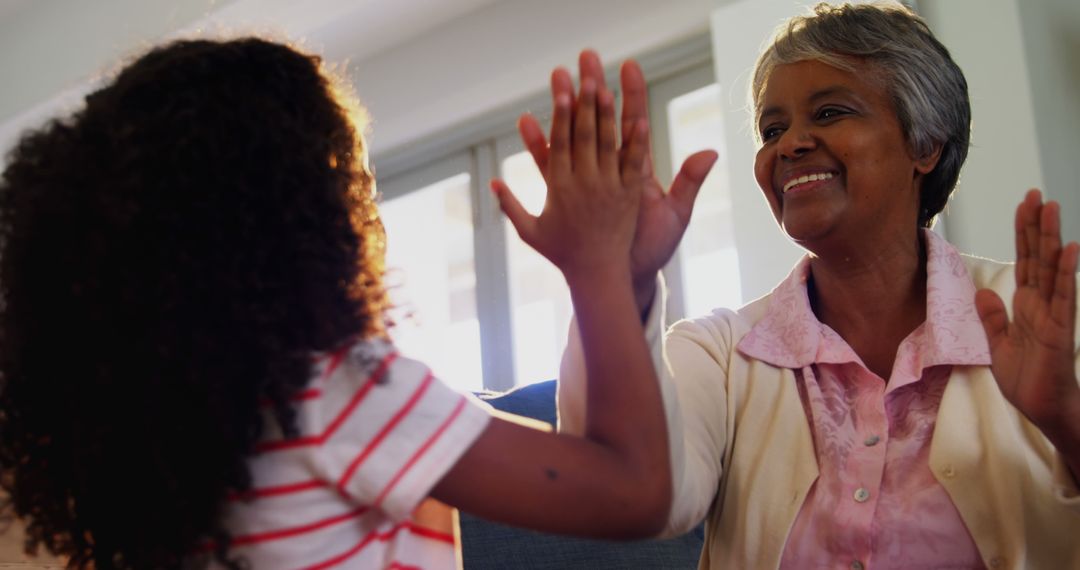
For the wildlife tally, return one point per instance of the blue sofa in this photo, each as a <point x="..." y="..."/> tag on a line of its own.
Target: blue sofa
<point x="486" y="545"/>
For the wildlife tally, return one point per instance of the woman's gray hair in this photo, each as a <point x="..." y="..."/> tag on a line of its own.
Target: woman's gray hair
<point x="927" y="88"/>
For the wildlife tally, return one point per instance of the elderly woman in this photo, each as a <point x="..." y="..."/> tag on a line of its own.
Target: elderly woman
<point x="880" y="407"/>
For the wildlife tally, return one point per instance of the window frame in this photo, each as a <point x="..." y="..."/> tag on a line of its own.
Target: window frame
<point x="480" y="147"/>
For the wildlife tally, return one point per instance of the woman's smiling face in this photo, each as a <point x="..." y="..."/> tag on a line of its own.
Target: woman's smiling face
<point x="834" y="162"/>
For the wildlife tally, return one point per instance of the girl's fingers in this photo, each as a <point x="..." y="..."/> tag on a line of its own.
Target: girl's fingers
<point x="584" y="141"/>
<point x="562" y="83"/>
<point x="608" y="156"/>
<point x="535" y="141"/>
<point x="635" y="94"/>
<point x="559" y="151"/>
<point x="635" y="153"/>
<point x="589" y="67"/>
<point x="524" y="222"/>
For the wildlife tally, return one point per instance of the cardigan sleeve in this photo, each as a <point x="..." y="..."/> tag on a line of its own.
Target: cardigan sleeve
<point x="690" y="363"/>
<point x="1066" y="488"/>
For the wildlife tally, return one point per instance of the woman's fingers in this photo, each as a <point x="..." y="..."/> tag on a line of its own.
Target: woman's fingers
<point x="1027" y="239"/>
<point x="1038" y="244"/>
<point x="684" y="188"/>
<point x="995" y="320"/>
<point x="1041" y="261"/>
<point x="1049" y="249"/>
<point x="1063" y="301"/>
<point x="1020" y="272"/>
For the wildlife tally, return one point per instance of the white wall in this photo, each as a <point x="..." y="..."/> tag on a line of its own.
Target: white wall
<point x="52" y="46"/>
<point x="52" y="52"/>
<point x="1051" y="31"/>
<point x="984" y="37"/>
<point x="487" y="58"/>
<point x="502" y="53"/>
<point x="739" y="29"/>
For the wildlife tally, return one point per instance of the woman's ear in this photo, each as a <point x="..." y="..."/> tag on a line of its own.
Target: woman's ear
<point x="926" y="163"/>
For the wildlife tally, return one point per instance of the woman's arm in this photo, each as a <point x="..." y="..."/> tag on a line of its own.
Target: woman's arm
<point x="615" y="481"/>
<point x="1033" y="355"/>
<point x="690" y="362"/>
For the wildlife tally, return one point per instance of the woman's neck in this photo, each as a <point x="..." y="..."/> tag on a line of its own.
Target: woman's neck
<point x="872" y="295"/>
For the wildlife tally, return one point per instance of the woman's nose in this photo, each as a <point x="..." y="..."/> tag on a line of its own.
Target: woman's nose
<point x="795" y="142"/>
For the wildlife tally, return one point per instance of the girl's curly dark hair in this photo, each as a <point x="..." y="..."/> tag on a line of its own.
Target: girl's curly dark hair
<point x="171" y="256"/>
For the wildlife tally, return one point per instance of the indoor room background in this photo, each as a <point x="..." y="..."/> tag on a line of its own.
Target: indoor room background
<point x="444" y="81"/>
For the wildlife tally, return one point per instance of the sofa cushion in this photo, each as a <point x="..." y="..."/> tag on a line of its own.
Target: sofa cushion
<point x="487" y="545"/>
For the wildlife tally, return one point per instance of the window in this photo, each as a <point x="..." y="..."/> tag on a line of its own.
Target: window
<point x="476" y="303"/>
<point x="709" y="263"/>
<point x="539" y="299"/>
<point x="432" y="279"/>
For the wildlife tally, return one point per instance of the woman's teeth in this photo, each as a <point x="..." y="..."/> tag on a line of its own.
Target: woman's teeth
<point x="807" y="178"/>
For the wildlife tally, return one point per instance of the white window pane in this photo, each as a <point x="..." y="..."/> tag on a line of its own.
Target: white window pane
<point x="538" y="293"/>
<point x="432" y="280"/>
<point x="710" y="264"/>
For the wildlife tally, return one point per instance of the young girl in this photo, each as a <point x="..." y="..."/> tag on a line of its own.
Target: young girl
<point x="195" y="368"/>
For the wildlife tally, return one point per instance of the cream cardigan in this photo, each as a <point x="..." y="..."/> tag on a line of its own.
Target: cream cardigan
<point x="742" y="453"/>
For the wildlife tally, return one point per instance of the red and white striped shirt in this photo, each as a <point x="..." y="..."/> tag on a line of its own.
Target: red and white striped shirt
<point x="377" y="432"/>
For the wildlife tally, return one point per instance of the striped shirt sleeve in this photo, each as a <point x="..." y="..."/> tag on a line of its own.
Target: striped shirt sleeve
<point x="397" y="429"/>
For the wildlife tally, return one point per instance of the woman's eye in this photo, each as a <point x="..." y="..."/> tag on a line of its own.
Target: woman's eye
<point x="830" y="113"/>
<point x="770" y="132"/>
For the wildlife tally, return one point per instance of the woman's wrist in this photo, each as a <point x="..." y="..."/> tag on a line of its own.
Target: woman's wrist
<point x="644" y="294"/>
<point x="1063" y="432"/>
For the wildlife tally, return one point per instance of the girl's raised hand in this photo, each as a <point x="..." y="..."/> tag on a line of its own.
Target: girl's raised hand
<point x="593" y="190"/>
<point x="664" y="214"/>
<point x="614" y="482"/>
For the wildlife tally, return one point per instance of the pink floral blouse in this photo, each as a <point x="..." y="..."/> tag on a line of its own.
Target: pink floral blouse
<point x="876" y="503"/>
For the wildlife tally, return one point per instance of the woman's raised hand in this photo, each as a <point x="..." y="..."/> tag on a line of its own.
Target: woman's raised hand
<point x="1033" y="356"/>
<point x="663" y="216"/>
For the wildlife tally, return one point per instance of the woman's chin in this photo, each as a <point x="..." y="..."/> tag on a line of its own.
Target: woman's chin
<point x="805" y="229"/>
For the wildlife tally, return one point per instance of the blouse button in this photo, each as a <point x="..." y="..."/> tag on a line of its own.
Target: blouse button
<point x="872" y="441"/>
<point x="948" y="472"/>
<point x="856" y="565"/>
<point x="861" y="495"/>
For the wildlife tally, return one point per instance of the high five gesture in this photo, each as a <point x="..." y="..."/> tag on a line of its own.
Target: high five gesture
<point x="664" y="215"/>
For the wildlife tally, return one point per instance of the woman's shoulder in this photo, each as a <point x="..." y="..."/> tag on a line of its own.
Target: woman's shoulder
<point x="988" y="273"/>
<point x="723" y="325"/>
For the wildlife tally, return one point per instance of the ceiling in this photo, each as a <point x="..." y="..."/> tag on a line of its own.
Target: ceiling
<point x="51" y="48"/>
<point x="340" y="28"/>
<point x="9" y="8"/>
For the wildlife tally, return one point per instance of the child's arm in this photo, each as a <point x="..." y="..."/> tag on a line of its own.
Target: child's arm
<point x="615" y="482"/>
